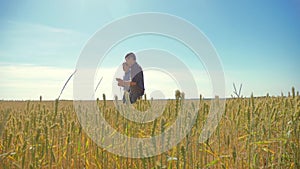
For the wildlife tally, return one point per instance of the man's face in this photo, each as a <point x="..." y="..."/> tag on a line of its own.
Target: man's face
<point x="130" y="61"/>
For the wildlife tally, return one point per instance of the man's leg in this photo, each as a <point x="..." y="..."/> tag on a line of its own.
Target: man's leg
<point x="134" y="97"/>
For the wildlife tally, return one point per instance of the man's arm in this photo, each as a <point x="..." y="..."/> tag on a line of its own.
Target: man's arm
<point x="125" y="83"/>
<point x="139" y="80"/>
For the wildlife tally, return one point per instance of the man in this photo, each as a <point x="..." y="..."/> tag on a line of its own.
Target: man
<point x="136" y="85"/>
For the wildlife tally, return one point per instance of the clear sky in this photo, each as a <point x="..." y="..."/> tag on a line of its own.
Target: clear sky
<point x="40" y="42"/>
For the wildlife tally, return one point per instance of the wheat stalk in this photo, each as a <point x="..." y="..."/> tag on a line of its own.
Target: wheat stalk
<point x="66" y="84"/>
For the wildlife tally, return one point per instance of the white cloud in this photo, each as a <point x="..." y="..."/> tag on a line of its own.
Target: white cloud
<point x="25" y="81"/>
<point x="26" y="27"/>
<point x="31" y="81"/>
<point x="24" y="42"/>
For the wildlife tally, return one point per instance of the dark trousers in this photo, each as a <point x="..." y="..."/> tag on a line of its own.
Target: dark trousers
<point x="135" y="94"/>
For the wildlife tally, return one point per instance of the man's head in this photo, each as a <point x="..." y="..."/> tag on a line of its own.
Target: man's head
<point x="130" y="59"/>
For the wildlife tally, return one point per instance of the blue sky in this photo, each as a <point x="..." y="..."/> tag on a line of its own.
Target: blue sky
<point x="40" y="41"/>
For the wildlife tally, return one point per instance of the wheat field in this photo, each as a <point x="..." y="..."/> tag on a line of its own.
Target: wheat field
<point x="254" y="132"/>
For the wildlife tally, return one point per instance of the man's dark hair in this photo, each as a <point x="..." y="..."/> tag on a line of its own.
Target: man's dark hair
<point x="130" y="55"/>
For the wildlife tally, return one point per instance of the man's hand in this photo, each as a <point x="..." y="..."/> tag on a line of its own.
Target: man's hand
<point x="123" y="83"/>
<point x="120" y="82"/>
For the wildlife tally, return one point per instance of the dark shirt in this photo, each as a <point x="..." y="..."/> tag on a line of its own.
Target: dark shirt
<point x="137" y="77"/>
